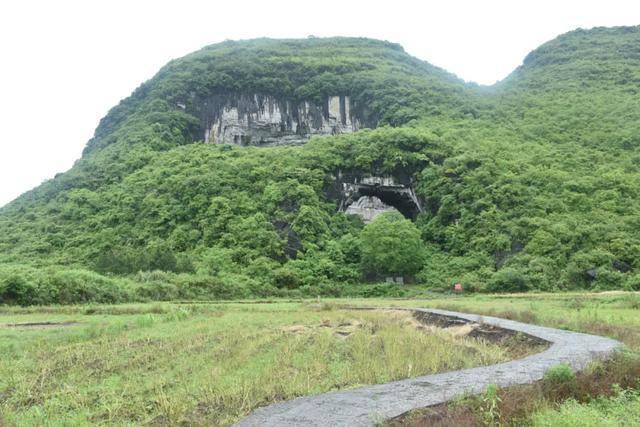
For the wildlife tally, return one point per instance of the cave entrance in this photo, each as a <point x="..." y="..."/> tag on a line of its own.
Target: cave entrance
<point x="399" y="199"/>
<point x="373" y="196"/>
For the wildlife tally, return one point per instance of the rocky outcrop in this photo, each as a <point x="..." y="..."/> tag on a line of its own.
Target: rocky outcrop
<point x="368" y="207"/>
<point x="265" y="120"/>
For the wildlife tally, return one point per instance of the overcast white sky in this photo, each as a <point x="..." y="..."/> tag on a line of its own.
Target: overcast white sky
<point x="63" y="64"/>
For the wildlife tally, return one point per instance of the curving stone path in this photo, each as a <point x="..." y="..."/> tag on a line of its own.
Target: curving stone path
<point x="367" y="406"/>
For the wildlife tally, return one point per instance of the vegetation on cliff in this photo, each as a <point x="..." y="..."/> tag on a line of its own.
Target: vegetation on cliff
<point x="530" y="184"/>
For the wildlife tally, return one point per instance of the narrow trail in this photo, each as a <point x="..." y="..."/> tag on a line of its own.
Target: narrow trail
<point x="367" y="406"/>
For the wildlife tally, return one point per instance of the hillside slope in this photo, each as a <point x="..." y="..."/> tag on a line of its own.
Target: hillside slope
<point x="386" y="85"/>
<point x="580" y="87"/>
<point x="530" y="184"/>
<point x="550" y="185"/>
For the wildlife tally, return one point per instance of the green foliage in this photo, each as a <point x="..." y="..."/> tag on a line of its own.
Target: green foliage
<point x="391" y="245"/>
<point x="560" y="374"/>
<point x="508" y="280"/>
<point x="490" y="406"/>
<point x="24" y="286"/>
<point x="532" y="184"/>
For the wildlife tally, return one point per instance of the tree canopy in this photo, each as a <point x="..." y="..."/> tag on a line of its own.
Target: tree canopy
<point x="391" y="246"/>
<point x="529" y="184"/>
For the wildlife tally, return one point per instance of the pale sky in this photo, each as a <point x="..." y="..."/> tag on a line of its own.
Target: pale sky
<point x="63" y="64"/>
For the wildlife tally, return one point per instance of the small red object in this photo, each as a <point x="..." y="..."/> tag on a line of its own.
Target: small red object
<point x="457" y="287"/>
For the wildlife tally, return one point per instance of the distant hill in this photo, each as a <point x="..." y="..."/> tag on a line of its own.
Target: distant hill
<point x="529" y="184"/>
<point x="582" y="86"/>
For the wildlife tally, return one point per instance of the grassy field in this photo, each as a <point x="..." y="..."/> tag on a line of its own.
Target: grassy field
<point x="206" y="363"/>
<point x="212" y="363"/>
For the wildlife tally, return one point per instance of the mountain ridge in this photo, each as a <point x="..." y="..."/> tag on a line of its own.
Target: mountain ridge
<point x="529" y="184"/>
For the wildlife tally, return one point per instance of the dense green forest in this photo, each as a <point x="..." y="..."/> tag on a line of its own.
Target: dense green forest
<point x="530" y="184"/>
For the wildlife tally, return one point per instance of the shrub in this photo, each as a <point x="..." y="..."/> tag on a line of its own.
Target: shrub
<point x="287" y="277"/>
<point x="216" y="260"/>
<point x="17" y="288"/>
<point x="82" y="286"/>
<point x="30" y="286"/>
<point x="320" y="288"/>
<point x="155" y="291"/>
<point x="508" y="280"/>
<point x="632" y="283"/>
<point x="609" y="279"/>
<point x="559" y="382"/>
<point x="227" y="286"/>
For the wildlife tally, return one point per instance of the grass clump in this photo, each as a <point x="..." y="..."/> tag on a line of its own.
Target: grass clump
<point x="490" y="408"/>
<point x="559" y="382"/>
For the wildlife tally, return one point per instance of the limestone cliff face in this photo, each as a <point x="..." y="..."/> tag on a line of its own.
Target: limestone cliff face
<point x="368" y="208"/>
<point x="264" y="120"/>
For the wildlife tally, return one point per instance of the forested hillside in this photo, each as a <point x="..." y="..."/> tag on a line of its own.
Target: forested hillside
<point x="529" y="184"/>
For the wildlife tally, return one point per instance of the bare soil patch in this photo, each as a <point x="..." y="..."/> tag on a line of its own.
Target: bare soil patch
<point x="517" y="344"/>
<point x="41" y="325"/>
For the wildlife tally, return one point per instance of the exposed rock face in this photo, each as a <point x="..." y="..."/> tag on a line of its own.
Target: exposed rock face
<point x="264" y="120"/>
<point x="369" y="207"/>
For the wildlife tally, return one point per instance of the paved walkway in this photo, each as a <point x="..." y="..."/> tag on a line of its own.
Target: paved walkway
<point x="369" y="405"/>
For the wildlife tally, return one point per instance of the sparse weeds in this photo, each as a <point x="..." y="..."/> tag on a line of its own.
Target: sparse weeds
<point x="146" y="320"/>
<point x="631" y="301"/>
<point x="577" y="303"/>
<point x="321" y="305"/>
<point x="490" y="406"/>
<point x="177" y="314"/>
<point x="126" y="310"/>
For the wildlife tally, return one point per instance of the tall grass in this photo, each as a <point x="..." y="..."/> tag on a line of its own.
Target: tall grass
<point x="209" y="364"/>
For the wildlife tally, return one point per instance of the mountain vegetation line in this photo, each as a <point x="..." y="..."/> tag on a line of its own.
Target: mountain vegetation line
<point x="530" y="184"/>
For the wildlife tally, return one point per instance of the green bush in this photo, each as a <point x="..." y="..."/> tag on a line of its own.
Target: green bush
<point x="81" y="286"/>
<point x="632" y="283"/>
<point x="16" y="287"/>
<point x="31" y="286"/>
<point x="559" y="382"/>
<point x="155" y="291"/>
<point x="508" y="280"/>
<point x="560" y="374"/>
